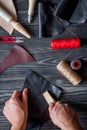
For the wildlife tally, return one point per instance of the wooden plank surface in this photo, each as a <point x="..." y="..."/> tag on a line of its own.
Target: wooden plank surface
<point x="45" y="64"/>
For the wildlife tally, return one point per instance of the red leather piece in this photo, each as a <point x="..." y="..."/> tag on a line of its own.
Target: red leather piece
<point x="17" y="55"/>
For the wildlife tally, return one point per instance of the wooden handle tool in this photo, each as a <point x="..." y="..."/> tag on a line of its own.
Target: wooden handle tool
<point x="31" y="9"/>
<point x="8" y="18"/>
<point x="48" y="97"/>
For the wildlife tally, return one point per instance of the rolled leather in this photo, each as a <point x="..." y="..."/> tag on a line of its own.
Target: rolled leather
<point x="37" y="105"/>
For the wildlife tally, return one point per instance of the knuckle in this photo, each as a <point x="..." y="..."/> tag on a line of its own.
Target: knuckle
<point x="65" y="104"/>
<point x="58" y="103"/>
<point x="4" y="109"/>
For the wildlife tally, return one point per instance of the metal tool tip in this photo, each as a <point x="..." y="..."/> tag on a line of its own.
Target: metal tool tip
<point x="29" y="18"/>
<point x="19" y="41"/>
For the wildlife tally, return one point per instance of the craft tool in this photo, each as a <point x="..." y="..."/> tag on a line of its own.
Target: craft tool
<point x="10" y="7"/>
<point x="48" y="97"/>
<point x="65" y="43"/>
<point x="11" y="39"/>
<point x="76" y="64"/>
<point x="9" y="19"/>
<point x="31" y="9"/>
<point x="68" y="73"/>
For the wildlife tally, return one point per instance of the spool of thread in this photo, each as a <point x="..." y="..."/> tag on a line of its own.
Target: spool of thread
<point x="68" y="73"/>
<point x="76" y="64"/>
<point x="65" y="43"/>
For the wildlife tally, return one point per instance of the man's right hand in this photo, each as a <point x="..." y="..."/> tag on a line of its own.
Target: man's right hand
<point x="63" y="116"/>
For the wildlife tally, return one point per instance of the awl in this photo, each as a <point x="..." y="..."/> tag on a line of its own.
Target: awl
<point x="31" y="9"/>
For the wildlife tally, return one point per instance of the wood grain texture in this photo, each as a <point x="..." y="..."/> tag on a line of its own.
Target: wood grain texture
<point x="46" y="62"/>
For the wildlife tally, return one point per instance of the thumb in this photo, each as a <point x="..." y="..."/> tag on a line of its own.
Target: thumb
<point x="51" y="105"/>
<point x="25" y="96"/>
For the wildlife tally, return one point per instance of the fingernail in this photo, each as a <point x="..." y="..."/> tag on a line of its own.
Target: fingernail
<point x="26" y="90"/>
<point x="51" y="105"/>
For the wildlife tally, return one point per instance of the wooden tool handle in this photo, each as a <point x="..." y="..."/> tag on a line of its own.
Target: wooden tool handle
<point x="20" y="28"/>
<point x="8" y="18"/>
<point x="31" y="7"/>
<point x="5" y="15"/>
<point x="48" y="97"/>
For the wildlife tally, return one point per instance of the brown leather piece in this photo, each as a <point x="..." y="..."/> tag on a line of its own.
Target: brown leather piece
<point x="9" y="6"/>
<point x="17" y="55"/>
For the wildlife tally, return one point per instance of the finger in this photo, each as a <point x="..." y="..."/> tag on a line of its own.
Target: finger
<point x="25" y="96"/>
<point x="16" y="94"/>
<point x="51" y="105"/>
<point x="14" y="101"/>
<point x="5" y="110"/>
<point x="59" y="102"/>
<point x="58" y="106"/>
<point x="66" y="106"/>
<point x="54" y="105"/>
<point x="6" y="103"/>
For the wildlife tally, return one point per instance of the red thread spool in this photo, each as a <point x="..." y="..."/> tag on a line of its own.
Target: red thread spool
<point x="76" y="64"/>
<point x="65" y="43"/>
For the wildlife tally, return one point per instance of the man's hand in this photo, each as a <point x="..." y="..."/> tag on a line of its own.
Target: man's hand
<point x="16" y="110"/>
<point x="63" y="116"/>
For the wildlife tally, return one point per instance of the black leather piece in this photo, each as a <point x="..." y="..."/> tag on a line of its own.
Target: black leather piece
<point x="49" y="26"/>
<point x="38" y="107"/>
<point x="80" y="13"/>
<point x="55" y="17"/>
<point x="33" y="125"/>
<point x="66" y="8"/>
<point x="73" y="11"/>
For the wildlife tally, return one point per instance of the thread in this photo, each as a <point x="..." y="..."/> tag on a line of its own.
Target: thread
<point x="68" y="73"/>
<point x="65" y="43"/>
<point x="76" y="64"/>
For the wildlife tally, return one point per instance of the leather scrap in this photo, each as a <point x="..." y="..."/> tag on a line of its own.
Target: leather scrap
<point x="72" y="11"/>
<point x="48" y="24"/>
<point x="17" y="55"/>
<point x="37" y="105"/>
<point x="55" y="17"/>
<point x="9" y="6"/>
<point x="80" y="13"/>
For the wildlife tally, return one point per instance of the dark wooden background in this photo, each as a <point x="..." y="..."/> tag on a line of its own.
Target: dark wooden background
<point x="45" y="64"/>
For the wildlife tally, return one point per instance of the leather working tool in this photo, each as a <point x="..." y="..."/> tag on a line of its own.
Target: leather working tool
<point x="11" y="39"/>
<point x="31" y="10"/>
<point x="8" y="18"/>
